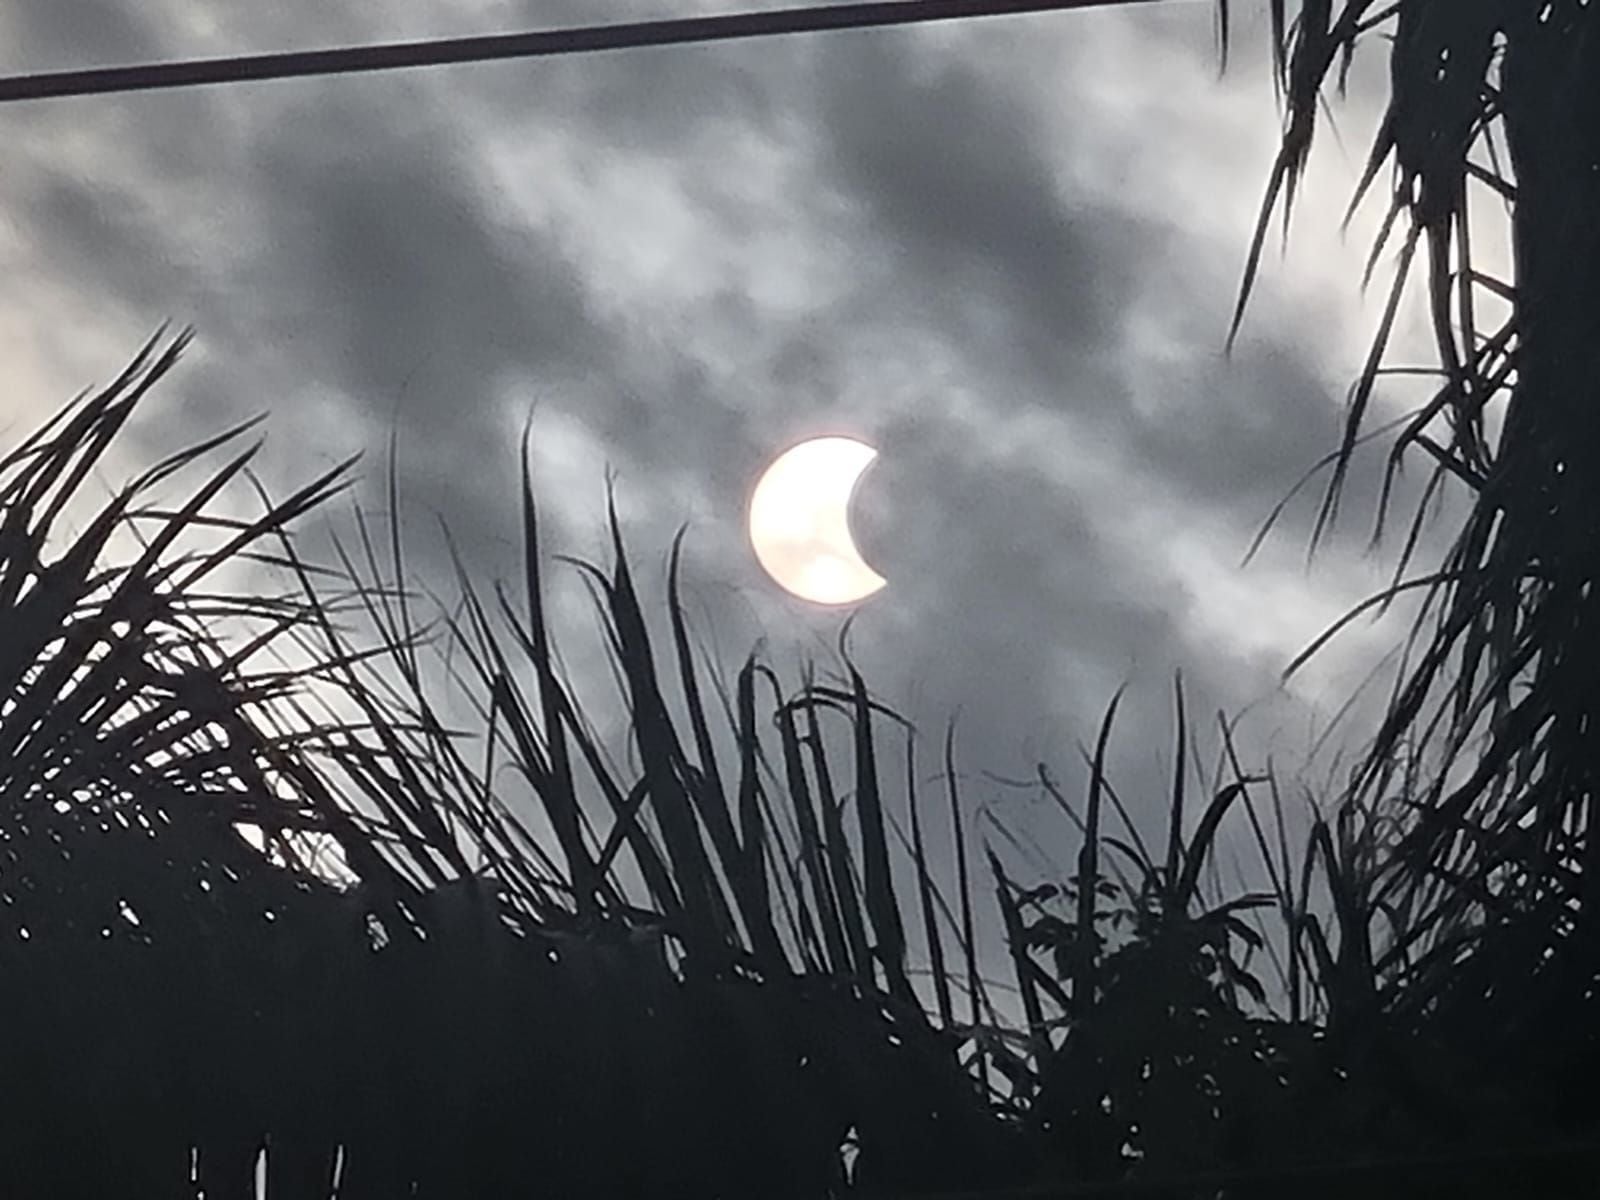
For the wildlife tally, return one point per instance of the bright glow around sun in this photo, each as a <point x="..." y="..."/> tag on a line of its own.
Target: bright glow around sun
<point x="800" y="521"/>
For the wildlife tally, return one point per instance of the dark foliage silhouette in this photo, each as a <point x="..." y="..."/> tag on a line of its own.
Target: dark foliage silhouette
<point x="723" y="960"/>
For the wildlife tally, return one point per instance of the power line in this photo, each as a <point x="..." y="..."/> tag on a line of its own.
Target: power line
<point x="582" y="40"/>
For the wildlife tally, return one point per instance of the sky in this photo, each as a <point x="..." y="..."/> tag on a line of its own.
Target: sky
<point x="1002" y="252"/>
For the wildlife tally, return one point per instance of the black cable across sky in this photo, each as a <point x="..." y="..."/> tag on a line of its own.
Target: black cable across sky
<point x="436" y="52"/>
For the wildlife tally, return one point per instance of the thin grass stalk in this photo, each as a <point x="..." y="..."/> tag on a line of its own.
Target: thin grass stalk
<point x="1175" y="819"/>
<point x="811" y="851"/>
<point x="1022" y="962"/>
<point x="926" y="894"/>
<point x="705" y="780"/>
<point x="709" y="922"/>
<point x="963" y="882"/>
<point x="559" y="794"/>
<point x="658" y="879"/>
<point x="1086" y="959"/>
<point x="752" y="851"/>
<point x="882" y="903"/>
<point x="836" y="852"/>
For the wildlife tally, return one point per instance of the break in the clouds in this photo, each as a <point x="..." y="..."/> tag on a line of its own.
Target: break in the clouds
<point x="1003" y="252"/>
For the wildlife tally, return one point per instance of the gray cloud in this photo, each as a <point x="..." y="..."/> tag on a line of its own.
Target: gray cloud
<point x="1039" y="363"/>
<point x="89" y="33"/>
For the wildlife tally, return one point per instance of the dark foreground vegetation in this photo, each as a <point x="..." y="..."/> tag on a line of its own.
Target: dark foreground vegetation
<point x="726" y="960"/>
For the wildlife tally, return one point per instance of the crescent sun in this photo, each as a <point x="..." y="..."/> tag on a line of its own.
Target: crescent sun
<point x="800" y="521"/>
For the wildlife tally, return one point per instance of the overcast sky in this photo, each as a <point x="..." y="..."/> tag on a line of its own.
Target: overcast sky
<point x="1004" y="252"/>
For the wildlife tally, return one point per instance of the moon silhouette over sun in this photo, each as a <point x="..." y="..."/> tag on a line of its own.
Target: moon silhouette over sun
<point x="800" y="521"/>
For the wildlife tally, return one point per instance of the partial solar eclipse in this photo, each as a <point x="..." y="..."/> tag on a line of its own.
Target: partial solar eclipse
<point x="800" y="521"/>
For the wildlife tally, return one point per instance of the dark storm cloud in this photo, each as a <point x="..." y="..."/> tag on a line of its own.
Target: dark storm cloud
<point x="1007" y="600"/>
<point x="1032" y="283"/>
<point x="1229" y="435"/>
<point x="420" y="294"/>
<point x="101" y="233"/>
<point x="359" y="252"/>
<point x="401" y="253"/>
<point x="949" y="164"/>
<point x="360" y="267"/>
<point x="81" y="34"/>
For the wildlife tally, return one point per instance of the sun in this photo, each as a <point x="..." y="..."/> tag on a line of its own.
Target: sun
<point x="800" y="521"/>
